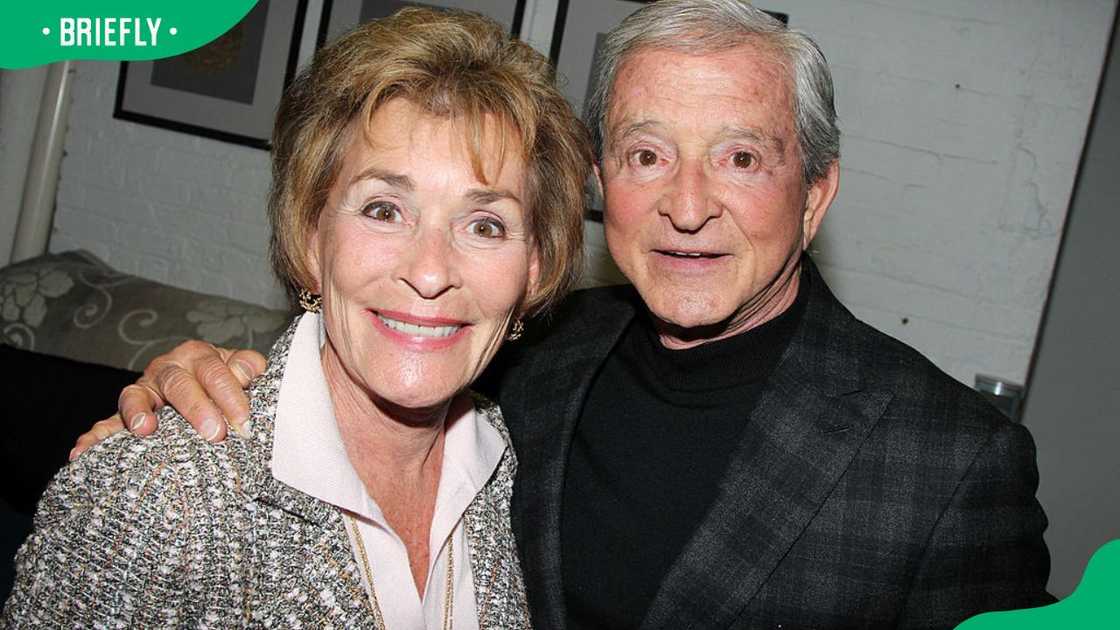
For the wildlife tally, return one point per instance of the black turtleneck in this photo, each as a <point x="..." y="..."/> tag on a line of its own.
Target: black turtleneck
<point x="653" y="441"/>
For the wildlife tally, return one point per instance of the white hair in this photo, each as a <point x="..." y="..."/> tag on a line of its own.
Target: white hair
<point x="705" y="26"/>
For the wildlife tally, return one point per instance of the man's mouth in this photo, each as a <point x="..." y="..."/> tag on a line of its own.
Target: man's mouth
<point x="677" y="253"/>
<point x="416" y="329"/>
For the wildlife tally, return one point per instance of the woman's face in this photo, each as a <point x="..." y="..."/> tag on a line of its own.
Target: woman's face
<point x="421" y="265"/>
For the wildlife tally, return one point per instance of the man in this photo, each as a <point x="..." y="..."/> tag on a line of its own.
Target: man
<point x="723" y="444"/>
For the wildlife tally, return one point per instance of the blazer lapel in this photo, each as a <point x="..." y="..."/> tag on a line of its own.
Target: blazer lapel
<point x="322" y="540"/>
<point x="548" y="395"/>
<point x="800" y="438"/>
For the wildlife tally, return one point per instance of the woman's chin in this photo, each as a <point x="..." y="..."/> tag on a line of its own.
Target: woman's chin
<point x="431" y="401"/>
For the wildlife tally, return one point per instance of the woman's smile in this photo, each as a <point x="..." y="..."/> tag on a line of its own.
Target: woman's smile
<point x="420" y="333"/>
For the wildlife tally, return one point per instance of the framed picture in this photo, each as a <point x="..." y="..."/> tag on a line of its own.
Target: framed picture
<point x="340" y="16"/>
<point x="228" y="89"/>
<point x="577" y="38"/>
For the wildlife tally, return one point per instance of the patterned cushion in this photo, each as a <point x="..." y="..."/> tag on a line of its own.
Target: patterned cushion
<point x="73" y="305"/>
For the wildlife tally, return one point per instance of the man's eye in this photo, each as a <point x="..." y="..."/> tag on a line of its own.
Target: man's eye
<point x="742" y="159"/>
<point x="382" y="211"/>
<point x="487" y="228"/>
<point x="645" y="157"/>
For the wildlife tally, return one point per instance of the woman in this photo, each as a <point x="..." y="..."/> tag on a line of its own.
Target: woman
<point x="427" y="194"/>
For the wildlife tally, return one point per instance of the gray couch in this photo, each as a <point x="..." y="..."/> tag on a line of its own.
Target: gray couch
<point x="74" y="305"/>
<point x="73" y="332"/>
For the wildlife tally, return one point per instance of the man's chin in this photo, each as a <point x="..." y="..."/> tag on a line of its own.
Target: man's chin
<point x="689" y="321"/>
<point x="688" y="327"/>
<point x="686" y="308"/>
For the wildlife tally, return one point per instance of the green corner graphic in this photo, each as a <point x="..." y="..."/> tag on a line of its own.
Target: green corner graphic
<point x="1094" y="604"/>
<point x="35" y="32"/>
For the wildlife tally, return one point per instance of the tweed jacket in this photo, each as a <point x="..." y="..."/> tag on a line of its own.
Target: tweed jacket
<point x="868" y="490"/>
<point x="172" y="531"/>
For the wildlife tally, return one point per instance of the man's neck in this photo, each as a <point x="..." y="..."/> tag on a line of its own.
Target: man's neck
<point x="776" y="299"/>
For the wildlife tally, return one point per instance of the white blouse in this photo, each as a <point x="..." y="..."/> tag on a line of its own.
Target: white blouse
<point x="308" y="455"/>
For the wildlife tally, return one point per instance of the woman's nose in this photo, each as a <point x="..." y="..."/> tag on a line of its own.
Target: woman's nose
<point x="430" y="266"/>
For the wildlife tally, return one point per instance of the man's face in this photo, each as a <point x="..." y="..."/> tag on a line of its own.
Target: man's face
<point x="706" y="209"/>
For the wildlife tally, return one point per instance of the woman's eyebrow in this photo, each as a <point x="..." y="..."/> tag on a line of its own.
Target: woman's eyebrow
<point x="404" y="182"/>
<point x="490" y="195"/>
<point x="396" y="180"/>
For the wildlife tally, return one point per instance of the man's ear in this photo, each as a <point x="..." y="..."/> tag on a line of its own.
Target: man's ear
<point x="597" y="179"/>
<point x="817" y="201"/>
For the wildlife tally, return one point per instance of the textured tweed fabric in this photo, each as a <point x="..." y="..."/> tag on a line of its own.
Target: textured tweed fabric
<point x="171" y="531"/>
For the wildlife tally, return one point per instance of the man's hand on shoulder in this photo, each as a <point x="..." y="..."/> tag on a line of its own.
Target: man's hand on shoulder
<point x="203" y="382"/>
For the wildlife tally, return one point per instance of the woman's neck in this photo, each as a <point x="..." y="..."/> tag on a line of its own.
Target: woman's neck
<point x="386" y="443"/>
<point x="398" y="455"/>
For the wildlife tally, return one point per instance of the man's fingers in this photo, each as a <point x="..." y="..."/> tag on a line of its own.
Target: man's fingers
<point x="245" y="364"/>
<point x="186" y="394"/>
<point x="225" y="386"/>
<point x="137" y="403"/>
<point x="98" y="432"/>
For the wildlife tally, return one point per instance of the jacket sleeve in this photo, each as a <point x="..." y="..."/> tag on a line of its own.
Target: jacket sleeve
<point x="107" y="549"/>
<point x="986" y="552"/>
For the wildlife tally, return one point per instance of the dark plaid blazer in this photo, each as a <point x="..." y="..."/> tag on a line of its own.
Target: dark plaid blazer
<point x="870" y="489"/>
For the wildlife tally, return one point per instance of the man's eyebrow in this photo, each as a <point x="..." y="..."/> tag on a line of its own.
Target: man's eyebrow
<point x="755" y="134"/>
<point x="395" y="180"/>
<point x="624" y="130"/>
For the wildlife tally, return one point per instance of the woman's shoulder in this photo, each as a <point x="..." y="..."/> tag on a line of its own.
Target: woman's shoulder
<point x="132" y="473"/>
<point x="121" y="526"/>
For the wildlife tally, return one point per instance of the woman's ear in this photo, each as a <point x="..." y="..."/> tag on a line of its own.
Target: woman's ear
<point x="314" y="265"/>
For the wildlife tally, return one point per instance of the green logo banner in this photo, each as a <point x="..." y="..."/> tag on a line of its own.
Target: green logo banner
<point x="35" y="32"/>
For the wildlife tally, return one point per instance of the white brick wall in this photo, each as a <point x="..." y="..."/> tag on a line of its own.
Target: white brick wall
<point x="20" y="95"/>
<point x="169" y="206"/>
<point x="963" y="123"/>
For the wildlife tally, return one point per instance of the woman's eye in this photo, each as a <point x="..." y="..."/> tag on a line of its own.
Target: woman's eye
<point x="487" y="228"/>
<point x="382" y="211"/>
<point x="742" y="159"/>
<point x="645" y="157"/>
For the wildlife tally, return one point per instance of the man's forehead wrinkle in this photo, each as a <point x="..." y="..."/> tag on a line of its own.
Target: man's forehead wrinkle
<point x="741" y="90"/>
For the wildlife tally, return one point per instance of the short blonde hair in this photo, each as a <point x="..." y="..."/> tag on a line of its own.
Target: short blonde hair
<point x="448" y="63"/>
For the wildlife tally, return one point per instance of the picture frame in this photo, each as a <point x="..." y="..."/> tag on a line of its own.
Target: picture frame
<point x="577" y="37"/>
<point x="228" y="89"/>
<point x="340" y="16"/>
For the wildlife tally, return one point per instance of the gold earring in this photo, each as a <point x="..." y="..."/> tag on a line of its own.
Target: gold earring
<point x="310" y="302"/>
<point x="516" y="330"/>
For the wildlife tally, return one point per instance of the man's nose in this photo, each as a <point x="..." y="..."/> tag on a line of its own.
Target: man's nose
<point x="689" y="204"/>
<point x="430" y="266"/>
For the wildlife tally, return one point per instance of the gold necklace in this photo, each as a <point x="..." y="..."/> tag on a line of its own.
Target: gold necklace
<point x="447" y="591"/>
